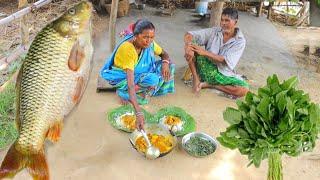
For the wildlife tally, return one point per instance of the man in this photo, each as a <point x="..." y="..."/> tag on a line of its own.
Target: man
<point x="213" y="67"/>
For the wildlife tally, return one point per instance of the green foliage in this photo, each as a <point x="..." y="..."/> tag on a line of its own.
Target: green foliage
<point x="279" y="118"/>
<point x="7" y="102"/>
<point x="8" y="131"/>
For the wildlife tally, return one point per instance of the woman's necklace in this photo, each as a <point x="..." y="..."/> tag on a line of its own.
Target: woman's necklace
<point x="137" y="49"/>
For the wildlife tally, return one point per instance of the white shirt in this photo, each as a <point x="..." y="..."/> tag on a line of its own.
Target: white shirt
<point x="212" y="39"/>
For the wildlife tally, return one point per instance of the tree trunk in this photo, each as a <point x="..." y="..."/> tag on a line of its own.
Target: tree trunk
<point x="23" y="24"/>
<point x="112" y="24"/>
<point x="216" y="12"/>
<point x="275" y="167"/>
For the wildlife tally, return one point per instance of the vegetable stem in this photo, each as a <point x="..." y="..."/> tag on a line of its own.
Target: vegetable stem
<point x="275" y="166"/>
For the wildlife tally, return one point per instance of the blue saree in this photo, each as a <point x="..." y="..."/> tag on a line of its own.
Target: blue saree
<point x="147" y="75"/>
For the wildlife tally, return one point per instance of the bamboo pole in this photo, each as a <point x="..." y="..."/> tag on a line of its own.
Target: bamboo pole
<point x="23" y="25"/>
<point x="12" y="79"/>
<point x="24" y="11"/>
<point x="6" y="61"/>
<point x="112" y="24"/>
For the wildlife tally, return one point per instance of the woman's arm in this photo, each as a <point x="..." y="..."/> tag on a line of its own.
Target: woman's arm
<point x="165" y="65"/>
<point x="133" y="99"/>
<point x="164" y="55"/>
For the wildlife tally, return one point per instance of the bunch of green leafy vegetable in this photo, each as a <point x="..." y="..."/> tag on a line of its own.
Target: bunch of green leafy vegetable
<point x="279" y="119"/>
<point x="199" y="146"/>
<point x="8" y="131"/>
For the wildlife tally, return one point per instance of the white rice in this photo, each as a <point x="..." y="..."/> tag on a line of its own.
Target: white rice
<point x="175" y="128"/>
<point x="119" y="121"/>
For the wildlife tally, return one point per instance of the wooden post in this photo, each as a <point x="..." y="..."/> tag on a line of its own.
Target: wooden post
<point x="112" y="24"/>
<point x="216" y="12"/>
<point x="259" y="12"/>
<point x="270" y="10"/>
<point x="287" y="16"/>
<point x="23" y="26"/>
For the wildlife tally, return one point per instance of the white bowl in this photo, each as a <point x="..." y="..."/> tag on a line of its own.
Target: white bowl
<point x="187" y="137"/>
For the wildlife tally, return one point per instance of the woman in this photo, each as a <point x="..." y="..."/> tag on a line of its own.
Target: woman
<point x="134" y="71"/>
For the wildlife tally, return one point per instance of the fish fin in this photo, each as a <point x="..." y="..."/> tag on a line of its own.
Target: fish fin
<point x="37" y="166"/>
<point x="54" y="131"/>
<point x="15" y="161"/>
<point x="78" y="90"/>
<point x="18" y="87"/>
<point x="76" y="57"/>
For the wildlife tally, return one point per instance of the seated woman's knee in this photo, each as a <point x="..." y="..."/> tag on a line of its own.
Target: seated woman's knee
<point x="151" y="80"/>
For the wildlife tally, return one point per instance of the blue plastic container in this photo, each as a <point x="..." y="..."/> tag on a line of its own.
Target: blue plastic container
<point x="201" y="8"/>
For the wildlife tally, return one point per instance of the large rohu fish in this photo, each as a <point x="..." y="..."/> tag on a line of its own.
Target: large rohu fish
<point x="50" y="83"/>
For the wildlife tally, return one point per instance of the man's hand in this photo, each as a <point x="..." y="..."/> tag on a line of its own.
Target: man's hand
<point x="189" y="53"/>
<point x="199" y="50"/>
<point x="140" y="121"/>
<point x="165" y="71"/>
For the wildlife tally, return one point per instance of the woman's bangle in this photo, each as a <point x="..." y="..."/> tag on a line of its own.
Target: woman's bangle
<point x="165" y="61"/>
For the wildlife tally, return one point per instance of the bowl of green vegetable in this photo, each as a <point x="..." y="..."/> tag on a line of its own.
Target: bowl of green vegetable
<point x="199" y="144"/>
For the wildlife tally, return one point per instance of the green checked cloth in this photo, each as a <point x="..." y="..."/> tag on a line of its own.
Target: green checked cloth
<point x="209" y="73"/>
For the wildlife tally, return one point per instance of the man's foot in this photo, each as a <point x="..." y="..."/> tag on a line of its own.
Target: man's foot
<point x="230" y="96"/>
<point x="196" y="87"/>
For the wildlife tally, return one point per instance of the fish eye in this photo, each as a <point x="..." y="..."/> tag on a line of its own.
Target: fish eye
<point x="72" y="11"/>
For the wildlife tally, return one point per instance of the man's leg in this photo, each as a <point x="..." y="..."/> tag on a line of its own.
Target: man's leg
<point x="196" y="79"/>
<point x="238" y="91"/>
<point x="233" y="90"/>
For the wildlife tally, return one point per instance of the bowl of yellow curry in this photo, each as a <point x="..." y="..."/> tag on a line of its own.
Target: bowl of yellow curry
<point x="159" y="137"/>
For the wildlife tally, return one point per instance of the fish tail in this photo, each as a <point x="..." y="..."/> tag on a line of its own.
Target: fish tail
<point x="15" y="161"/>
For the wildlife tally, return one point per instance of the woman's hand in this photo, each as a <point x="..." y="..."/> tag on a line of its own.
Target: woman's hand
<point x="165" y="71"/>
<point x="139" y="121"/>
<point x="199" y="50"/>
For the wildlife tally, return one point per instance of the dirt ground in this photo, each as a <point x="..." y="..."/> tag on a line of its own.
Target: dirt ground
<point x="91" y="149"/>
<point x="296" y="40"/>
